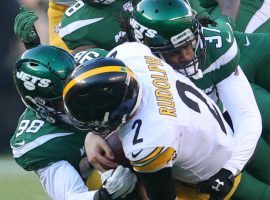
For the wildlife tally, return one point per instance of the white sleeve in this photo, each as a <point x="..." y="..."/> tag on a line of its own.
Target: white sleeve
<point x="237" y="97"/>
<point x="62" y="182"/>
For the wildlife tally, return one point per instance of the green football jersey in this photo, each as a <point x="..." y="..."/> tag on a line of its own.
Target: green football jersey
<point x="253" y="15"/>
<point x="221" y="57"/>
<point x="85" y="24"/>
<point x="254" y="59"/>
<point x="37" y="143"/>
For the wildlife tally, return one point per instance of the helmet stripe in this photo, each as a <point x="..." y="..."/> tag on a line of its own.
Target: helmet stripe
<point x="94" y="72"/>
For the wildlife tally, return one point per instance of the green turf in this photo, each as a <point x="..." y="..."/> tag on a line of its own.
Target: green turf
<point x="15" y="183"/>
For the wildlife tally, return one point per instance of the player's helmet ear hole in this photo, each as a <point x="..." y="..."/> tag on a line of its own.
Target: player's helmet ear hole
<point x="170" y="3"/>
<point x="156" y="11"/>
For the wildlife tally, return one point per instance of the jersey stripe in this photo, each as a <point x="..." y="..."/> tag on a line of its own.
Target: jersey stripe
<point x="93" y="72"/>
<point x="148" y="157"/>
<point x="19" y="151"/>
<point x="76" y="25"/>
<point x="224" y="59"/>
<point x="158" y="162"/>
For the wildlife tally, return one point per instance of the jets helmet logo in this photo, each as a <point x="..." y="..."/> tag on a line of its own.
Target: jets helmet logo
<point x="140" y="31"/>
<point x="31" y="81"/>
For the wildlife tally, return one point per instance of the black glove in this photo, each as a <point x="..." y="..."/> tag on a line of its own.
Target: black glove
<point x="218" y="186"/>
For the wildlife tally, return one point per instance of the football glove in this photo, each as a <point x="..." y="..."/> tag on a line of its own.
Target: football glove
<point x="24" y="26"/>
<point x="218" y="186"/>
<point x="118" y="182"/>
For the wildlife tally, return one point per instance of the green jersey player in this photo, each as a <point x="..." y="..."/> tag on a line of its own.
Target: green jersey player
<point x="253" y="16"/>
<point x="93" y="25"/>
<point x="255" y="65"/>
<point x="45" y="141"/>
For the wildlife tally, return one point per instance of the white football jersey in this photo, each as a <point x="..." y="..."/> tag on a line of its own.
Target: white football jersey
<point x="176" y="124"/>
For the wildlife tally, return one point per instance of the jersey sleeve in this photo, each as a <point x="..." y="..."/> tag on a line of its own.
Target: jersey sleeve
<point x="150" y="145"/>
<point x="37" y="143"/>
<point x="152" y="159"/>
<point x="222" y="50"/>
<point x="61" y="181"/>
<point x="75" y="26"/>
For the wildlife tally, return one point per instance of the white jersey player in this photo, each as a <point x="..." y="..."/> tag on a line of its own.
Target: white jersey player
<point x="170" y="128"/>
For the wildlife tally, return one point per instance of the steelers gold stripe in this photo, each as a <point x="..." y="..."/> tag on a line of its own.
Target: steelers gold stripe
<point x="148" y="157"/>
<point x="93" y="72"/>
<point x="157" y="163"/>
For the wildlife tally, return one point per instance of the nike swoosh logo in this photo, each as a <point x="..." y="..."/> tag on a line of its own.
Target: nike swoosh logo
<point x="70" y="28"/>
<point x="247" y="40"/>
<point x="136" y="154"/>
<point x="229" y="38"/>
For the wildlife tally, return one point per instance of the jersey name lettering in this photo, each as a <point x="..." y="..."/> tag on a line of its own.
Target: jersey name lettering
<point x="163" y="95"/>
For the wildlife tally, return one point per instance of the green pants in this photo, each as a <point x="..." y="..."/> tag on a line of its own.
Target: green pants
<point x="262" y="97"/>
<point x="255" y="180"/>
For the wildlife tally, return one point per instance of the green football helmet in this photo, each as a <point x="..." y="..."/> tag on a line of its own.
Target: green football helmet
<point x="39" y="75"/>
<point x="166" y="26"/>
<point x="100" y="94"/>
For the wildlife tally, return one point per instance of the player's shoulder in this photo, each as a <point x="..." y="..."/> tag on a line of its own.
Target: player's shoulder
<point x="80" y="15"/>
<point x="220" y="37"/>
<point x="128" y="50"/>
<point x="31" y="129"/>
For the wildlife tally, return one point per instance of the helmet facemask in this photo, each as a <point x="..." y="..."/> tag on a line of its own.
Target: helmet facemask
<point x="167" y="27"/>
<point x="51" y="110"/>
<point x="189" y="68"/>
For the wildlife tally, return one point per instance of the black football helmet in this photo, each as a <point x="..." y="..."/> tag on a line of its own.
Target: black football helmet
<point x="100" y="94"/>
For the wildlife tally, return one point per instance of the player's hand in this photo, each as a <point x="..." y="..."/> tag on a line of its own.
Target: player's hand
<point x="218" y="186"/>
<point x="119" y="182"/>
<point x="98" y="152"/>
<point x="24" y="25"/>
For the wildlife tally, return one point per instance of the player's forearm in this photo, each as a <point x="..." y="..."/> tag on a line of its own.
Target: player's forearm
<point x="62" y="182"/>
<point x="237" y="97"/>
<point x="159" y="185"/>
<point x="229" y="7"/>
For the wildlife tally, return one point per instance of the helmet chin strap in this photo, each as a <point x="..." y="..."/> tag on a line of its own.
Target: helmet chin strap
<point x="198" y="75"/>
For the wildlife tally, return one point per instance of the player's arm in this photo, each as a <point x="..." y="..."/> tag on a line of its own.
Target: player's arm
<point x="237" y="97"/>
<point x="98" y="152"/>
<point x="24" y="27"/>
<point x="229" y="7"/>
<point x="159" y="185"/>
<point x="83" y="48"/>
<point x="153" y="165"/>
<point x="62" y="182"/>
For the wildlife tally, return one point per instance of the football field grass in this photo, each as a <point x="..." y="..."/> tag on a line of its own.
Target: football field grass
<point x="15" y="183"/>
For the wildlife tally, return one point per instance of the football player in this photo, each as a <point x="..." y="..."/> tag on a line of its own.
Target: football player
<point x="253" y="15"/>
<point x="24" y="24"/>
<point x="169" y="128"/>
<point x="209" y="56"/>
<point x="45" y="141"/>
<point x="87" y="25"/>
<point x="256" y="66"/>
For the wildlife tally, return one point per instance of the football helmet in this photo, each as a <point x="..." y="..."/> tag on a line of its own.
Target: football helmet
<point x="100" y="94"/>
<point x="39" y="76"/>
<point x="166" y="26"/>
